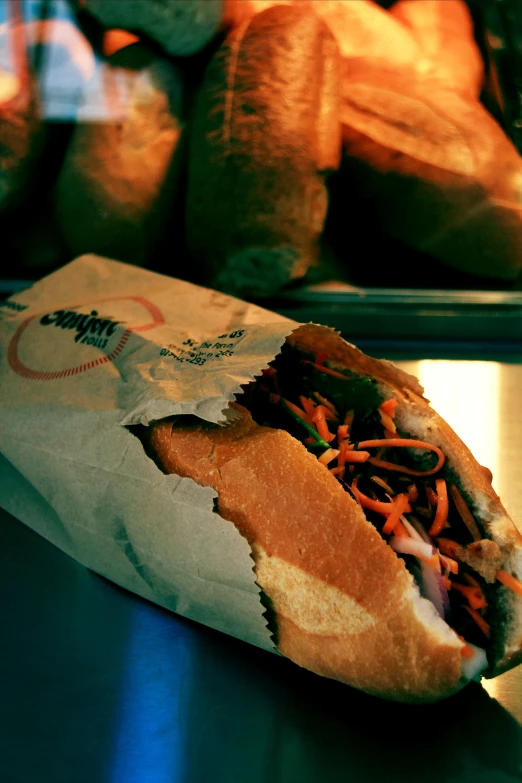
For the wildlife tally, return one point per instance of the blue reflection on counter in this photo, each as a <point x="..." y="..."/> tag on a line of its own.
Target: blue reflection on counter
<point x="149" y="735"/>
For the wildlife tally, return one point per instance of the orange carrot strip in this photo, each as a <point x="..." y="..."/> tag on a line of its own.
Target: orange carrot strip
<point x="482" y="624"/>
<point x="319" y="420"/>
<point x="356" y="456"/>
<point x="473" y="595"/>
<point x="389" y="407"/>
<point x="450" y="563"/>
<point x="413" y="444"/>
<point x="321" y="357"/>
<point x="465" y="513"/>
<point x="413" y="493"/>
<point x="400" y="503"/>
<point x="432" y="496"/>
<point x="328" y="456"/>
<point x="342" y="432"/>
<point x="400" y="530"/>
<point x="348" y="419"/>
<point x="441" y="515"/>
<point x="326" y="403"/>
<point x="308" y="405"/>
<point x="373" y="505"/>
<point x="447" y="546"/>
<point x="326" y="370"/>
<point x="389" y="425"/>
<point x="510" y="581"/>
<point x="275" y="398"/>
<point x="337" y="471"/>
<point x="309" y="440"/>
<point x="298" y="412"/>
<point x="447" y="582"/>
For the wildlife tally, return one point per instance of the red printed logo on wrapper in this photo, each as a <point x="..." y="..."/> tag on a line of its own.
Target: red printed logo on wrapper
<point x="86" y="329"/>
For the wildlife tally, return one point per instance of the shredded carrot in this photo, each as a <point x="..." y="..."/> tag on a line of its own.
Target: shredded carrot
<point x="356" y="456"/>
<point x="473" y="595"/>
<point x="308" y="441"/>
<point x="326" y="370"/>
<point x="326" y="403"/>
<point x="328" y="456"/>
<point x="400" y="503"/>
<point x="447" y="582"/>
<point x="389" y="407"/>
<point x="413" y="444"/>
<point x="413" y="493"/>
<point x="465" y="513"/>
<point x="482" y="624"/>
<point x="389" y="425"/>
<point x="319" y="420"/>
<point x="337" y="471"/>
<point x="509" y="581"/>
<point x="441" y="515"/>
<point x="321" y="357"/>
<point x="348" y="419"/>
<point x="467" y="650"/>
<point x="373" y="505"/>
<point x="308" y="405"/>
<point x="432" y="496"/>
<point x="298" y="411"/>
<point x="449" y="563"/>
<point x="400" y="530"/>
<point x="275" y="398"/>
<point x="447" y="546"/>
<point x="342" y="432"/>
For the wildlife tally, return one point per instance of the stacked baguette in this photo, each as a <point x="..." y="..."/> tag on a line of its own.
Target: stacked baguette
<point x="234" y="115"/>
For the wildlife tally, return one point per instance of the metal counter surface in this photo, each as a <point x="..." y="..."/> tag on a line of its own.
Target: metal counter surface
<point x="98" y="686"/>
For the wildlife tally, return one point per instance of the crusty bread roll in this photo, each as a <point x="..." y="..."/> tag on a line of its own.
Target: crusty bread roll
<point x="444" y="32"/>
<point x="434" y="169"/>
<point x="361" y="29"/>
<point x="345" y="605"/>
<point x="265" y="131"/>
<point x="117" y="186"/>
<point x="21" y="130"/>
<point x="181" y="27"/>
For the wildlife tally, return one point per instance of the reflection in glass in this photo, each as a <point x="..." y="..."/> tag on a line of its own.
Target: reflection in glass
<point x="150" y="733"/>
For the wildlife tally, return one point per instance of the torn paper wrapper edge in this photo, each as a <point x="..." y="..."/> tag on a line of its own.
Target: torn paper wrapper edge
<point x="99" y="343"/>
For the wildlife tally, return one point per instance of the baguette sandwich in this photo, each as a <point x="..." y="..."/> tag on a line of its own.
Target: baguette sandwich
<point x="385" y="557"/>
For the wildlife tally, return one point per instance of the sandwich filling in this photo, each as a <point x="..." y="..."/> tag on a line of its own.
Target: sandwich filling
<point x="405" y="487"/>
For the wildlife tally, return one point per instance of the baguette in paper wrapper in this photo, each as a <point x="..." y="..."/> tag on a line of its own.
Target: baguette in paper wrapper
<point x="99" y="345"/>
<point x="73" y="473"/>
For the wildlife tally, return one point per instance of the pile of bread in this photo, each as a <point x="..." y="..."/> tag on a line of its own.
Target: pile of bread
<point x="213" y="138"/>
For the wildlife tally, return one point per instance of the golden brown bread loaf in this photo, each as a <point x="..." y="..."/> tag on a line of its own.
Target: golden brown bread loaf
<point x="444" y="33"/>
<point x="265" y="131"/>
<point x="361" y="28"/>
<point x="346" y="607"/>
<point x="181" y="27"/>
<point x="21" y="130"/>
<point x="434" y="169"/>
<point x="119" y="180"/>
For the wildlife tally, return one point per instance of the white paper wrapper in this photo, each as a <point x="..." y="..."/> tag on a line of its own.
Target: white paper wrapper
<point x="94" y="347"/>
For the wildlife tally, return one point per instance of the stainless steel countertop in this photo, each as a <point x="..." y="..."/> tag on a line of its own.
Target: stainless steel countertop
<point x="98" y="686"/>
